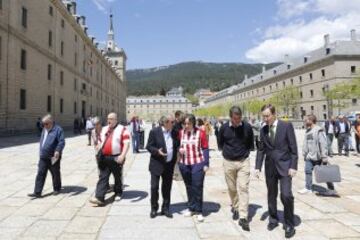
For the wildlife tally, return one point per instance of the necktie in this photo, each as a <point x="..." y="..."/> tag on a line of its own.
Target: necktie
<point x="272" y="133"/>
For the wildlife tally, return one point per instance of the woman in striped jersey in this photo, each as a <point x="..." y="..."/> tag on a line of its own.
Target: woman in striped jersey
<point x="193" y="164"/>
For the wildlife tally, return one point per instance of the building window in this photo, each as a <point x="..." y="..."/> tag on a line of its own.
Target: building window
<point x="305" y="59"/>
<point x="0" y="46"/>
<point x="61" y="105"/>
<point x="75" y="38"/>
<point x="301" y="94"/>
<point x="61" y="78"/>
<point x="354" y="101"/>
<point x="75" y="59"/>
<point x="62" y="48"/>
<point x="49" y="72"/>
<point x="1" y="5"/>
<point x="353" y="69"/>
<point x="288" y="66"/>
<point x="22" y="99"/>
<point x="24" y="17"/>
<point x="323" y="72"/>
<point x="275" y="72"/>
<point x="50" y="38"/>
<point x="23" y="60"/>
<point x="311" y="93"/>
<point x="51" y="11"/>
<point x="62" y="23"/>
<point x="75" y="108"/>
<point x="328" y="51"/>
<point x="312" y="108"/>
<point x="284" y="84"/>
<point x="311" y="76"/>
<point x="49" y="103"/>
<point x="300" y="79"/>
<point x="292" y="81"/>
<point x="75" y="84"/>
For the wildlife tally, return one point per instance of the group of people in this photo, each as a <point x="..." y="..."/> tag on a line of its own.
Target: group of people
<point x="341" y="129"/>
<point x="183" y="140"/>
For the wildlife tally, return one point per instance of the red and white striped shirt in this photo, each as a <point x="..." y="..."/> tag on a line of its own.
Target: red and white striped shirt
<point x="193" y="142"/>
<point x="116" y="140"/>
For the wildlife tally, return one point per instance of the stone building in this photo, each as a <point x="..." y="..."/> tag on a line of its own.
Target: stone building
<point x="50" y="64"/>
<point x="152" y="107"/>
<point x="313" y="74"/>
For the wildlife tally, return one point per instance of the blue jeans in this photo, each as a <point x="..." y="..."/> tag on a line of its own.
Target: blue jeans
<point x="309" y="166"/>
<point x="194" y="182"/>
<point x="135" y="141"/>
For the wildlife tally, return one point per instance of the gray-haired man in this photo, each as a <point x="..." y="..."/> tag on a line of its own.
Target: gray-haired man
<point x="52" y="143"/>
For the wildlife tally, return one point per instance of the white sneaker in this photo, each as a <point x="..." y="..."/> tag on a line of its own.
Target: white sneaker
<point x="304" y="191"/>
<point x="200" y="218"/>
<point x="188" y="213"/>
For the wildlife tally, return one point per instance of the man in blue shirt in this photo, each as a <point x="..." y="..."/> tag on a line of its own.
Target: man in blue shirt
<point x="52" y="143"/>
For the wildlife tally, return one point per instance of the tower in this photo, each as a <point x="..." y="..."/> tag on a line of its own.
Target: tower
<point x="111" y="36"/>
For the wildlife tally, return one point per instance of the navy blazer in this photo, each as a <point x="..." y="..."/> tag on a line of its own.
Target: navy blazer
<point x="158" y="163"/>
<point x="55" y="141"/>
<point x="280" y="156"/>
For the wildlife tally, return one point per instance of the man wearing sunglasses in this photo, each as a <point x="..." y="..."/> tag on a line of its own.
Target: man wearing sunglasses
<point x="52" y="144"/>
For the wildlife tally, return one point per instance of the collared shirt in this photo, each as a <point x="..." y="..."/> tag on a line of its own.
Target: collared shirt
<point x="115" y="141"/>
<point x="45" y="136"/>
<point x="274" y="127"/>
<point x="169" y="144"/>
<point x="235" y="126"/>
<point x="342" y="127"/>
<point x="331" y="129"/>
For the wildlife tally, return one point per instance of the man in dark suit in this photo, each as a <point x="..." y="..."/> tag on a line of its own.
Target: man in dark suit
<point x="162" y="147"/>
<point x="278" y="147"/>
<point x="342" y="133"/>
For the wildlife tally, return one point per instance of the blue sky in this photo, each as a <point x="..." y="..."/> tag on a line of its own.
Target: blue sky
<point x="163" y="32"/>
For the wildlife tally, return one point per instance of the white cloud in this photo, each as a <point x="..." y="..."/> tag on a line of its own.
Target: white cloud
<point x="102" y="5"/>
<point x="298" y="36"/>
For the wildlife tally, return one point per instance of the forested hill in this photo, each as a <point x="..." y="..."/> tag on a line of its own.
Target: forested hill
<point x="191" y="76"/>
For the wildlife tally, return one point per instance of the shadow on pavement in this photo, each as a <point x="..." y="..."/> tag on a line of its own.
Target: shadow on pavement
<point x="74" y="190"/>
<point x="17" y="140"/>
<point x="252" y="210"/>
<point x="208" y="208"/>
<point x="297" y="219"/>
<point x="134" y="195"/>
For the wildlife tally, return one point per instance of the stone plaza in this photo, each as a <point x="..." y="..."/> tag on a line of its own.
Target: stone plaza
<point x="69" y="215"/>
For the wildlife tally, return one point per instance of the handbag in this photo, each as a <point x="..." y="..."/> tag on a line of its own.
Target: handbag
<point x="327" y="173"/>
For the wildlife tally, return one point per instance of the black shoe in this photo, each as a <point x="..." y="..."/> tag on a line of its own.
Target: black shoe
<point x="289" y="232"/>
<point x="244" y="223"/>
<point x="55" y="193"/>
<point x="166" y="213"/>
<point x="347" y="154"/>
<point x="153" y="214"/>
<point x="235" y="215"/>
<point x="34" y="195"/>
<point x="271" y="226"/>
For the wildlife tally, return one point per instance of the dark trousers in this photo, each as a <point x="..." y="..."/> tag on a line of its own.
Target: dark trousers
<point x="89" y="137"/>
<point x="166" y="183"/>
<point x="343" y="141"/>
<point x="357" y="143"/>
<point x="109" y="166"/>
<point x="43" y="166"/>
<point x="194" y="183"/>
<point x="257" y="141"/>
<point x="286" y="197"/>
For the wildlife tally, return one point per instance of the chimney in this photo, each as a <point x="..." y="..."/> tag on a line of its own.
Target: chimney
<point x="263" y="68"/>
<point x="82" y="20"/>
<point x="97" y="45"/>
<point x="85" y="30"/>
<point x="326" y="40"/>
<point x="353" y="35"/>
<point x="93" y="39"/>
<point x="77" y="18"/>
<point x="73" y="8"/>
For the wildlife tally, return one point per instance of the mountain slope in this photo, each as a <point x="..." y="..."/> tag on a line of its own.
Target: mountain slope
<point x="191" y="76"/>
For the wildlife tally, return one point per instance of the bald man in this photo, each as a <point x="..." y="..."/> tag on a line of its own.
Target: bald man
<point x="114" y="146"/>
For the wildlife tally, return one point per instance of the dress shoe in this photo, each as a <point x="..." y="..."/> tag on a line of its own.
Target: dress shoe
<point x="244" y="223"/>
<point x="166" y="213"/>
<point x="34" y="195"/>
<point x="235" y="215"/>
<point x="97" y="202"/>
<point x="271" y="226"/>
<point x="289" y="232"/>
<point x="56" y="192"/>
<point x="153" y="214"/>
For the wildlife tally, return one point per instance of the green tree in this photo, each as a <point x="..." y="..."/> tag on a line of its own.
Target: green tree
<point x="287" y="99"/>
<point x="340" y="94"/>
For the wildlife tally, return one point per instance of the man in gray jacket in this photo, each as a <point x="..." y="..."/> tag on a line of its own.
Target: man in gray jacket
<point x="314" y="152"/>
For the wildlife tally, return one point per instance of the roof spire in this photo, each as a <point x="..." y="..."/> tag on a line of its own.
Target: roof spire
<point x="111" y="21"/>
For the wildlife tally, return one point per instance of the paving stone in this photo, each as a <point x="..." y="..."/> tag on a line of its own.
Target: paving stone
<point x="84" y="225"/>
<point x="45" y="228"/>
